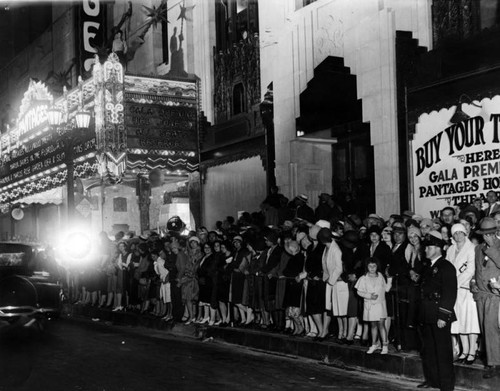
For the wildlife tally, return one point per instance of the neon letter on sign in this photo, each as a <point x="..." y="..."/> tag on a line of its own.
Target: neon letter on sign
<point x="89" y="10"/>
<point x="88" y="35"/>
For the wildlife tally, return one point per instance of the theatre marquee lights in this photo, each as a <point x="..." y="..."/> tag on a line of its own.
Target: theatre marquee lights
<point x="137" y="123"/>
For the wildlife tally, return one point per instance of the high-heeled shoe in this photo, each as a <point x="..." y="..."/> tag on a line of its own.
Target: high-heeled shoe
<point x="249" y="320"/>
<point x="205" y="320"/>
<point x="467" y="361"/>
<point x="460" y="360"/>
<point x="299" y="330"/>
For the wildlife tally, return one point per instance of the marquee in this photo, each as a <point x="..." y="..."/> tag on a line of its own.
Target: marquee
<point x="139" y="123"/>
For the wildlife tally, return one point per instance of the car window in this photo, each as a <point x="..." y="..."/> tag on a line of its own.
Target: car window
<point x="11" y="259"/>
<point x="15" y="255"/>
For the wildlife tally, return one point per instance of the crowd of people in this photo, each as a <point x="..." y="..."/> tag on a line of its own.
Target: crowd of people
<point x="291" y="269"/>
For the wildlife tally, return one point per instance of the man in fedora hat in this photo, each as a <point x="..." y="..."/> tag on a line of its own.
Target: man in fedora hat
<point x="487" y="299"/>
<point x="323" y="211"/>
<point x="438" y="293"/>
<point x="302" y="210"/>
<point x="472" y="212"/>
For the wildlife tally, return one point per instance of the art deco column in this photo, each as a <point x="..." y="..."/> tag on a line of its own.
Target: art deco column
<point x="143" y="191"/>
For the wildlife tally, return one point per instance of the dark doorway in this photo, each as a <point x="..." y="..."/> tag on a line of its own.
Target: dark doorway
<point x="330" y="102"/>
<point x="353" y="170"/>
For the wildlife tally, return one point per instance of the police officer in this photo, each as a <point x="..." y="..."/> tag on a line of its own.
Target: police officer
<point x="438" y="293"/>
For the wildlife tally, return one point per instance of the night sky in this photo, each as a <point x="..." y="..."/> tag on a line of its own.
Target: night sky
<point x="20" y="23"/>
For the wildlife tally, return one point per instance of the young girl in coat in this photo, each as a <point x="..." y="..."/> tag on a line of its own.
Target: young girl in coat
<point x="372" y="288"/>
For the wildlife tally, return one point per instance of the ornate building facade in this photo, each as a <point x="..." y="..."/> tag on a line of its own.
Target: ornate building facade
<point x="141" y="171"/>
<point x="314" y="96"/>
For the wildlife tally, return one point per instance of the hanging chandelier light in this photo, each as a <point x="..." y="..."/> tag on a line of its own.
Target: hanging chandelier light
<point x="82" y="119"/>
<point x="54" y="116"/>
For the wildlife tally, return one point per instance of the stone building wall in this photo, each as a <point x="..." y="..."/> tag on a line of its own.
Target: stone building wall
<point x="363" y="34"/>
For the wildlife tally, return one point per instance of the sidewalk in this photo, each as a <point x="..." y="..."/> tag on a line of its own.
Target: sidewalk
<point x="404" y="365"/>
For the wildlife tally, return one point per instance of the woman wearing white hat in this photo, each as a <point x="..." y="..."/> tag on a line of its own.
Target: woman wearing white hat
<point x="461" y="255"/>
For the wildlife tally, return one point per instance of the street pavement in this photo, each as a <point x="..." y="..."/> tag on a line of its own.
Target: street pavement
<point x="85" y="355"/>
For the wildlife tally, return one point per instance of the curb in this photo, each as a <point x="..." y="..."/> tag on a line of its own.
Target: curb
<point x="405" y="366"/>
<point x="79" y="313"/>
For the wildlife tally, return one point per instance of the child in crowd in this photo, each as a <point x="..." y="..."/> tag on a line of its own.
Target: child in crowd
<point x="372" y="288"/>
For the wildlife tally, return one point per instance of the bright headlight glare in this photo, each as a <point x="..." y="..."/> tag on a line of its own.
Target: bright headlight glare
<point x="77" y="245"/>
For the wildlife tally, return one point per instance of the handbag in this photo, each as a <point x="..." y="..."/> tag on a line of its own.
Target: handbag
<point x="143" y="281"/>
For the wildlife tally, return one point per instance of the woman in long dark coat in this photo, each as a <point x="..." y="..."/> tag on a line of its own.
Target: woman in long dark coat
<point x="223" y="259"/>
<point x="316" y="288"/>
<point x="270" y="274"/>
<point x="186" y="266"/>
<point x="293" y="291"/>
<point x="207" y="280"/>
<point x="252" y="295"/>
<point x="238" y="267"/>
<point x="133" y="301"/>
<point x="353" y="269"/>
<point x="144" y="273"/>
<point x="258" y="263"/>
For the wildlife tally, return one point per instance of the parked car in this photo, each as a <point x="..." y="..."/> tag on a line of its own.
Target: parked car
<point x="29" y="289"/>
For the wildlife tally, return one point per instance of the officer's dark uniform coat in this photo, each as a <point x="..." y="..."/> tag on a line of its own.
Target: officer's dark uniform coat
<point x="438" y="293"/>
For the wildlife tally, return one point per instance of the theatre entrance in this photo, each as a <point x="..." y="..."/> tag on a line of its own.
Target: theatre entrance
<point x="330" y="109"/>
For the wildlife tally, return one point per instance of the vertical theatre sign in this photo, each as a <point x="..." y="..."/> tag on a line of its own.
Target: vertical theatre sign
<point x="456" y="162"/>
<point x="90" y="32"/>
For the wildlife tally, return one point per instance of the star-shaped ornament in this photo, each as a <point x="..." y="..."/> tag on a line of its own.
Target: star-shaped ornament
<point x="184" y="10"/>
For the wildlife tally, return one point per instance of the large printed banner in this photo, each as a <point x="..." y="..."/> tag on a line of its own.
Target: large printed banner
<point x="454" y="163"/>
